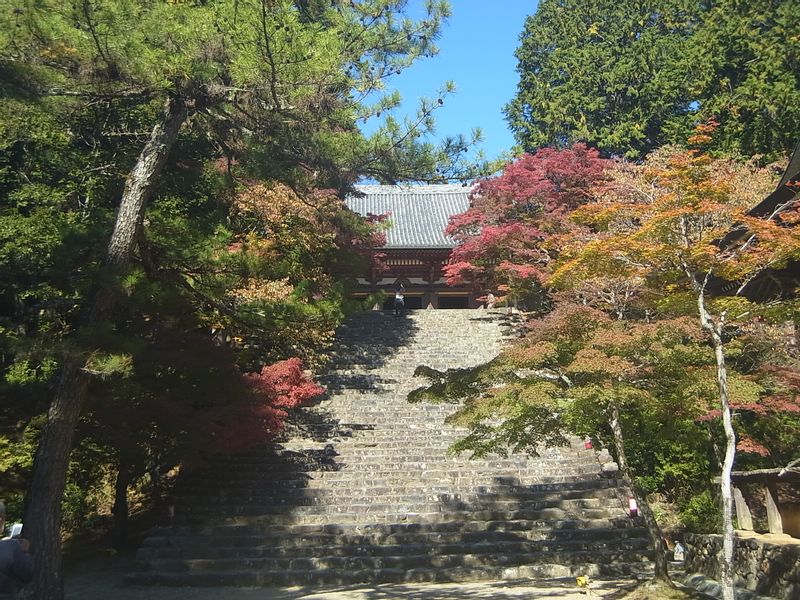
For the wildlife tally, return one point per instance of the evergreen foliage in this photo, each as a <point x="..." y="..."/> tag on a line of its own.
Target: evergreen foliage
<point x="630" y="76"/>
<point x="610" y="73"/>
<point x="748" y="76"/>
<point x="230" y="131"/>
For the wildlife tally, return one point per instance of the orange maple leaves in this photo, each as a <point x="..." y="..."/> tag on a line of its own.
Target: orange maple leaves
<point x="674" y="213"/>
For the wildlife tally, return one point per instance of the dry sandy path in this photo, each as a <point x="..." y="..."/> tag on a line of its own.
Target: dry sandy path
<point x="102" y="580"/>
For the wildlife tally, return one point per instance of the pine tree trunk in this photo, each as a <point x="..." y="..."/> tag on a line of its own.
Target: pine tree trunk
<point x="43" y="511"/>
<point x="661" y="567"/>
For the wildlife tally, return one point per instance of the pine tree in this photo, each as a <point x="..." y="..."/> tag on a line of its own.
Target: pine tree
<point x="276" y="80"/>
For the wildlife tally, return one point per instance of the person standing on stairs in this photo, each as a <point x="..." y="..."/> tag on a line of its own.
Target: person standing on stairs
<point x="399" y="301"/>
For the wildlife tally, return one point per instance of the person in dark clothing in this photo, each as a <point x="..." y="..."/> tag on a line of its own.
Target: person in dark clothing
<point x="16" y="565"/>
<point x="399" y="301"/>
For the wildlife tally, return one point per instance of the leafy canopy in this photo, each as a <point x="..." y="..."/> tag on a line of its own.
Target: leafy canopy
<point x="630" y="76"/>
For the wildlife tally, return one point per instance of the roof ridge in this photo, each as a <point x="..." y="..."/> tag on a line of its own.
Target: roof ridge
<point x="427" y="188"/>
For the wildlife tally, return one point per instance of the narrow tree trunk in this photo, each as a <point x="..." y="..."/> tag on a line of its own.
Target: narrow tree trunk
<point x="661" y="567"/>
<point x="726" y="490"/>
<point x="791" y="338"/>
<point x="719" y="455"/>
<point x="140" y="184"/>
<point x="121" y="509"/>
<point x="715" y="330"/>
<point x="43" y="511"/>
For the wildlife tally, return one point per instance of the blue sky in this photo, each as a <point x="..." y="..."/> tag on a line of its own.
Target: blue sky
<point x="477" y="53"/>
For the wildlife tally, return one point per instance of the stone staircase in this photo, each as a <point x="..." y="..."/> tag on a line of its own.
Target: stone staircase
<point x="365" y="491"/>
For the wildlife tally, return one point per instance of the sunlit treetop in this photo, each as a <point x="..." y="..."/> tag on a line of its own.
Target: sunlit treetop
<point x="503" y="237"/>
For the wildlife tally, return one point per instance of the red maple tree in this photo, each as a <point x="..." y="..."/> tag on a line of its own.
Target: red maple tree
<point x="502" y="238"/>
<point x="261" y="411"/>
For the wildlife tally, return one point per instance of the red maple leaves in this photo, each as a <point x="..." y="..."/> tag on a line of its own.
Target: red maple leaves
<point x="552" y="180"/>
<point x="502" y="235"/>
<point x="262" y="410"/>
<point x="284" y="385"/>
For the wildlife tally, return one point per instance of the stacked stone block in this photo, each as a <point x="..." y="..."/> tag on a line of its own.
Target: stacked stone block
<point x="366" y="491"/>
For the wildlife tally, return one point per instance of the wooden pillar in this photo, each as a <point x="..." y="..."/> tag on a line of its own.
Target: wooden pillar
<point x="433" y="301"/>
<point x="773" y="514"/>
<point x="743" y="516"/>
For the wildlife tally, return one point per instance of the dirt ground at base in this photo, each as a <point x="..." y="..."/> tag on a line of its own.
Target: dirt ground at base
<point x="652" y="590"/>
<point x="102" y="579"/>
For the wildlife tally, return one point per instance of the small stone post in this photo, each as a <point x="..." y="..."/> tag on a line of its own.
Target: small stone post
<point x="773" y="514"/>
<point x="743" y="516"/>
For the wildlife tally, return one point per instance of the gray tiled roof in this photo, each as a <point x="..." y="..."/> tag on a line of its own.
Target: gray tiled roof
<point x="419" y="213"/>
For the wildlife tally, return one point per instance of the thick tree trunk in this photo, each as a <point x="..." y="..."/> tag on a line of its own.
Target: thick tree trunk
<point x="661" y="567"/>
<point x="43" y="511"/>
<point x="141" y="180"/>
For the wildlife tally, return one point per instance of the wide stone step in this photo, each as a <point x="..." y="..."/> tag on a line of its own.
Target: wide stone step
<point x="348" y="465"/>
<point x="462" y="485"/>
<point x="378" y="456"/>
<point x="312" y="497"/>
<point x="296" y="486"/>
<point x="369" y="446"/>
<point x="476" y="473"/>
<point x="371" y="452"/>
<point x="407" y="494"/>
<point x="255" y="578"/>
<point x="456" y="485"/>
<point x="412" y="431"/>
<point x="236" y="506"/>
<point x="443" y="482"/>
<point x="371" y="548"/>
<point x="388" y="472"/>
<point x="216" y="529"/>
<point x="397" y="417"/>
<point x="382" y="496"/>
<point x="354" y="403"/>
<point x="464" y="463"/>
<point x="178" y="540"/>
<point x="395" y="460"/>
<point x="405" y="562"/>
<point x="391" y="514"/>
<point x="359" y="442"/>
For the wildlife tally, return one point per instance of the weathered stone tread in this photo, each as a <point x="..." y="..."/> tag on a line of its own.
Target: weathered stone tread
<point x="375" y="497"/>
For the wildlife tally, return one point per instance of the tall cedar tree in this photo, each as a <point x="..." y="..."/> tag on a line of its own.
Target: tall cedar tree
<point x="612" y="73"/>
<point x="747" y="66"/>
<point x="630" y="76"/>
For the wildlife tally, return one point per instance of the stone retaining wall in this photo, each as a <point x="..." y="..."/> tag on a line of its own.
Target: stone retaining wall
<point x="771" y="569"/>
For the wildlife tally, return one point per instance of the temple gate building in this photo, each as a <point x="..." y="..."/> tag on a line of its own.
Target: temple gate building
<point x="416" y="247"/>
